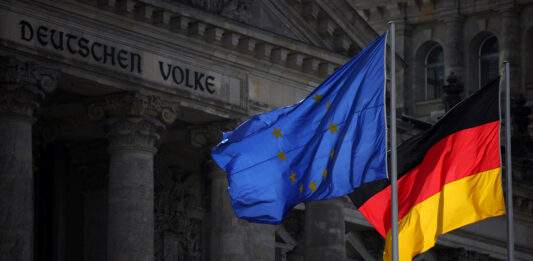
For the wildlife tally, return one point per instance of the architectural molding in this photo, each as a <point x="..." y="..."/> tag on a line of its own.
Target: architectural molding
<point x="24" y="85"/>
<point x="183" y="19"/>
<point x="134" y="105"/>
<point x="206" y="136"/>
<point x="133" y="120"/>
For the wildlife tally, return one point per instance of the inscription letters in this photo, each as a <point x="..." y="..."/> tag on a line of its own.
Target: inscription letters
<point x="122" y="59"/>
<point x="187" y="77"/>
<point x="78" y="45"/>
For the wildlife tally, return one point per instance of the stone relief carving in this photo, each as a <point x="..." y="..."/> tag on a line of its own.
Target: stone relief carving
<point x="178" y="214"/>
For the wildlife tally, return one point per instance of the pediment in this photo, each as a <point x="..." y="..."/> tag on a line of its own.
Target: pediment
<point x="332" y="25"/>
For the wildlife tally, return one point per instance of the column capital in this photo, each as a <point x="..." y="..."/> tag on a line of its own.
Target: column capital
<point x="133" y="134"/>
<point x="133" y="120"/>
<point x="209" y="135"/>
<point x="23" y="85"/>
<point x="133" y="105"/>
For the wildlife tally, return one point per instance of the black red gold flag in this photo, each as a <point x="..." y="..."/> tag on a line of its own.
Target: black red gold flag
<point x="448" y="177"/>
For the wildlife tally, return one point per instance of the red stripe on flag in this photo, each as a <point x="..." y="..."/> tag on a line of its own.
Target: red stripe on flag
<point x="466" y="152"/>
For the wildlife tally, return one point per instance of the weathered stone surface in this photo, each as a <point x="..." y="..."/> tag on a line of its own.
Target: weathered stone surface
<point x="233" y="239"/>
<point x="227" y="240"/>
<point x="324" y="231"/>
<point x="23" y="85"/>
<point x="130" y="206"/>
<point x="131" y="191"/>
<point x="16" y="189"/>
<point x="133" y="122"/>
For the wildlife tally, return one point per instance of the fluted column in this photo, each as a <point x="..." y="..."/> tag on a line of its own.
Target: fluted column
<point x="133" y="122"/>
<point x="23" y="85"/>
<point x="324" y="231"/>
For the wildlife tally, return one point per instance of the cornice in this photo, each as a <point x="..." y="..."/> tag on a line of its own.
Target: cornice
<point x="232" y="36"/>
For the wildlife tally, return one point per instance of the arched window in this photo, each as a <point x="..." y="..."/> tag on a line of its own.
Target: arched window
<point x="488" y="60"/>
<point x="434" y="68"/>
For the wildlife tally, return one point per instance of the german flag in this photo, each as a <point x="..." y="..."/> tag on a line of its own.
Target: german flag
<point x="448" y="177"/>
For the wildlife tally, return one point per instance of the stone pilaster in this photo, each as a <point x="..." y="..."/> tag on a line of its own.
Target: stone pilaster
<point x="324" y="230"/>
<point x="133" y="122"/>
<point x="23" y="86"/>
<point x="510" y="51"/>
<point x="453" y="47"/>
<point x="404" y="50"/>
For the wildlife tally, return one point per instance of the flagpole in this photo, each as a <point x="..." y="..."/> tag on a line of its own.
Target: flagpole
<point x="394" y="171"/>
<point x="508" y="164"/>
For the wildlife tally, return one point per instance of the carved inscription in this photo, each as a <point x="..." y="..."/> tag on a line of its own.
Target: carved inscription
<point x="187" y="77"/>
<point x="81" y="46"/>
<point x="121" y="56"/>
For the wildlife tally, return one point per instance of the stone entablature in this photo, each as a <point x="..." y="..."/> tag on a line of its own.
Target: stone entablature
<point x="190" y="64"/>
<point x="217" y="30"/>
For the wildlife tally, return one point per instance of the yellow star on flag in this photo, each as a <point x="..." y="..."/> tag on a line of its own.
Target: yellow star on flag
<point x="281" y="155"/>
<point x="317" y="98"/>
<point x="331" y="153"/>
<point x="277" y="133"/>
<point x="292" y="177"/>
<point x="325" y="173"/>
<point x="332" y="127"/>
<point x="312" y="186"/>
<point x="301" y="188"/>
<point x="328" y="105"/>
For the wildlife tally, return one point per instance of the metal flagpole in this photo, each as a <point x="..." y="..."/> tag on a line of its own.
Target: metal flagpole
<point x="394" y="174"/>
<point x="508" y="166"/>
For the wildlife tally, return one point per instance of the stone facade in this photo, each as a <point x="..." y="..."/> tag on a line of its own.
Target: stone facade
<point x="108" y="111"/>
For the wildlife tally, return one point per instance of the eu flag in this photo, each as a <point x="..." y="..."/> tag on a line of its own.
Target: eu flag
<point x="320" y="148"/>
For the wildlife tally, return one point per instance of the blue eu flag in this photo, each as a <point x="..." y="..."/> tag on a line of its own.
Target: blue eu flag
<point x="323" y="147"/>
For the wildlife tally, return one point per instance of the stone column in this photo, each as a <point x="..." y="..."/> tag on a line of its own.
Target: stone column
<point x="324" y="230"/>
<point x="133" y="122"/>
<point x="230" y="238"/>
<point x="227" y="240"/>
<point x="23" y="85"/>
